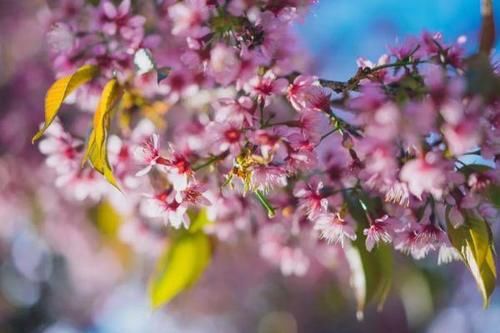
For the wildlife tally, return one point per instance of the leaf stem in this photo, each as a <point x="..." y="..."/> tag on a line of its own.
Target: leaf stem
<point x="271" y="212"/>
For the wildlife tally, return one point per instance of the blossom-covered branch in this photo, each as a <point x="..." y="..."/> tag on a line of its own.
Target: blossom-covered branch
<point x="213" y="104"/>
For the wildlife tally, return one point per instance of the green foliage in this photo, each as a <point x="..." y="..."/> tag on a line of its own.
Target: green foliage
<point x="371" y="272"/>
<point x="493" y="194"/>
<point x="182" y="264"/>
<point x="474" y="241"/>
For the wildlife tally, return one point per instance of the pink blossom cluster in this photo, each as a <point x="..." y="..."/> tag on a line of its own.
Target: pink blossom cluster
<point x="269" y="151"/>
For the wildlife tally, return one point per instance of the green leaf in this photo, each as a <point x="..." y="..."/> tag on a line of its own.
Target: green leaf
<point x="61" y="89"/>
<point x="371" y="272"/>
<point x="181" y="266"/>
<point x="97" y="144"/>
<point x="200" y="221"/>
<point x="474" y="241"/>
<point x="493" y="195"/>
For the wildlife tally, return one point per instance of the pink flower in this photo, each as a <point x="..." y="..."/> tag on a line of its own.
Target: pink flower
<point x="447" y="254"/>
<point x="148" y="153"/>
<point x="430" y="236"/>
<point x="334" y="228"/>
<point x="188" y="18"/>
<point x="407" y="242"/>
<point x="379" y="230"/>
<point x="398" y="193"/>
<point x="226" y="136"/>
<point x="265" y="178"/>
<point x="382" y="123"/>
<point x="381" y="166"/>
<point x="424" y="175"/>
<point x="406" y="48"/>
<point x="224" y="65"/>
<point x="310" y="199"/>
<point x="310" y="124"/>
<point x="305" y="93"/>
<point x="371" y="98"/>
<point x="61" y="37"/>
<point x="266" y="86"/>
<point x="462" y="137"/>
<point x="267" y="141"/>
<point x="117" y="20"/>
<point x="239" y="111"/>
<point x="61" y="149"/>
<point x="193" y="195"/>
<point x="178" y="169"/>
<point x="83" y="184"/>
<point x="165" y="206"/>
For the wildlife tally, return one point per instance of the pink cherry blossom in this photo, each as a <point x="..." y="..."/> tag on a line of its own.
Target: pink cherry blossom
<point x="266" y="86"/>
<point x="224" y="64"/>
<point x="226" y="136"/>
<point x="188" y="17"/>
<point x="311" y="201"/>
<point x="63" y="153"/>
<point x="379" y="230"/>
<point x="240" y="111"/>
<point x="117" y="20"/>
<point x="148" y="154"/>
<point x="163" y="205"/>
<point x="333" y="228"/>
<point x="424" y="175"/>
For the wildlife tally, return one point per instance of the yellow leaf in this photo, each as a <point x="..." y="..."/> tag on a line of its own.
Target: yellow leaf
<point x="61" y="89"/>
<point x="200" y="221"/>
<point x="181" y="266"/>
<point x="97" y="144"/>
<point x="107" y="219"/>
<point x="475" y="243"/>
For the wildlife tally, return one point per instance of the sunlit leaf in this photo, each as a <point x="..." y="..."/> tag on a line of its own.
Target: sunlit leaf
<point x="371" y="272"/>
<point x="200" y="221"/>
<point x="107" y="219"/>
<point x="97" y="143"/>
<point x="475" y="243"/>
<point x="108" y="222"/>
<point x="61" y="89"/>
<point x="182" y="265"/>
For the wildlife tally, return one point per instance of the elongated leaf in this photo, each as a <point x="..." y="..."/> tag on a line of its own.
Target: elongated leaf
<point x="61" y="89"/>
<point x="181" y="267"/>
<point x="493" y="194"/>
<point x="97" y="144"/>
<point x="200" y="221"/>
<point x="475" y="243"/>
<point x="271" y="212"/>
<point x="371" y="272"/>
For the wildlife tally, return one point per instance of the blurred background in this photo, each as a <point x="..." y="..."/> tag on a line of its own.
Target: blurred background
<point x="68" y="270"/>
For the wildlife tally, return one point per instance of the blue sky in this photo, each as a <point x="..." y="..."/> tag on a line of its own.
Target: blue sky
<point x="339" y="31"/>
